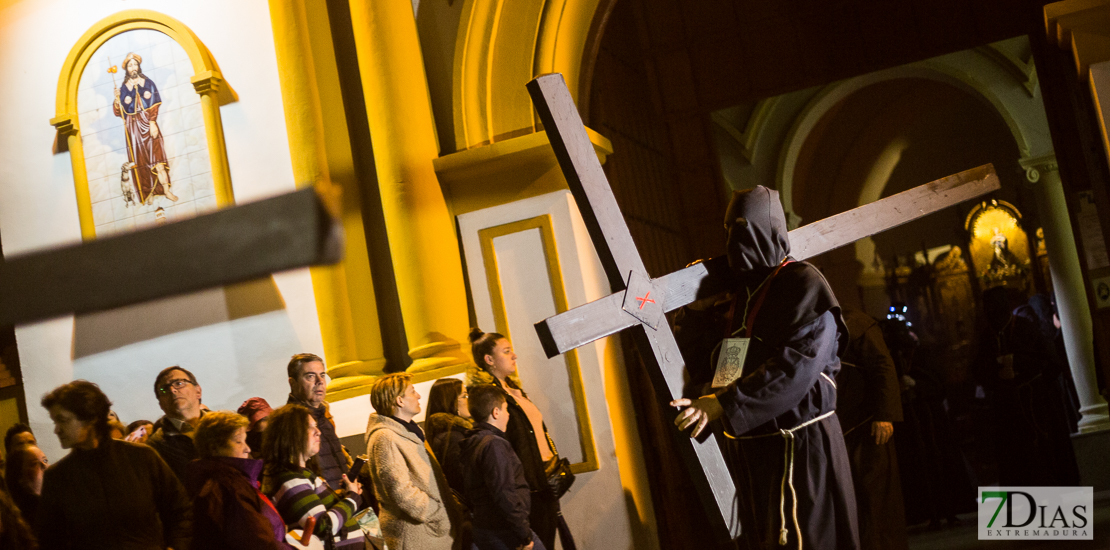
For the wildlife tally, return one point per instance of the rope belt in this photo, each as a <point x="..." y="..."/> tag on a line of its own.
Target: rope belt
<point x="787" y="475"/>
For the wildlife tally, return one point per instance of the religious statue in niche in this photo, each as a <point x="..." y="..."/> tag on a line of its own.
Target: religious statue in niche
<point x="999" y="246"/>
<point x="137" y="103"/>
<point x="1004" y="261"/>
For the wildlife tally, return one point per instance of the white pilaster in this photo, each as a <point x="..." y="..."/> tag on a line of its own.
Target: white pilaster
<point x="1067" y="280"/>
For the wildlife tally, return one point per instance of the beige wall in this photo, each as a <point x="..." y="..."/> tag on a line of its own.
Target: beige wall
<point x="236" y="341"/>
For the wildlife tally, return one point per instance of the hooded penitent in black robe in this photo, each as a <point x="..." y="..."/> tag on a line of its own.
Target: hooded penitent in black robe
<point x="787" y="381"/>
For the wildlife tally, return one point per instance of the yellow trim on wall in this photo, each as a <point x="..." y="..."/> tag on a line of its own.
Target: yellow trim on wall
<point x="558" y="294"/>
<point x="561" y="40"/>
<point x="316" y="124"/>
<point x="207" y="81"/>
<point x="506" y="171"/>
<point x="423" y="242"/>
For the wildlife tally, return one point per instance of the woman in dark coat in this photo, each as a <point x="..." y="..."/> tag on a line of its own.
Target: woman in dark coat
<point x="448" y="418"/>
<point x="136" y="502"/>
<point x="493" y="353"/>
<point x="228" y="509"/>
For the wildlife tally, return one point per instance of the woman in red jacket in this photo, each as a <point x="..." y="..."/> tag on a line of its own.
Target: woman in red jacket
<point x="228" y="509"/>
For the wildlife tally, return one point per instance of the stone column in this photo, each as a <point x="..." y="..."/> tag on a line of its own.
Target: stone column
<point x="1067" y="279"/>
<point x="423" y="243"/>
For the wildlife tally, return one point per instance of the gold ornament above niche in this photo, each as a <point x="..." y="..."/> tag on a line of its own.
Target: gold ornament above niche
<point x="999" y="246"/>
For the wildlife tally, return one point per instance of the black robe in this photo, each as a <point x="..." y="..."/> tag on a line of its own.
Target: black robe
<point x="869" y="392"/>
<point x="787" y="381"/>
<point x="1032" y="436"/>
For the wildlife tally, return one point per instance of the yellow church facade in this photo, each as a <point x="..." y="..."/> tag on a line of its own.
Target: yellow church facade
<point x="258" y="98"/>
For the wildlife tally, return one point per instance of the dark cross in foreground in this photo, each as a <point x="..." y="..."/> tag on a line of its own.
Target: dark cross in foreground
<point x="642" y="301"/>
<point x="228" y="246"/>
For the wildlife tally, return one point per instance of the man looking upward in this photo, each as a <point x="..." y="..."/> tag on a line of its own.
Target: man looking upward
<point x="179" y="397"/>
<point x="308" y="381"/>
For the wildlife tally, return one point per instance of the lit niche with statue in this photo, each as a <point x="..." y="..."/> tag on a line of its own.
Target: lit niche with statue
<point x="999" y="246"/>
<point x="941" y="287"/>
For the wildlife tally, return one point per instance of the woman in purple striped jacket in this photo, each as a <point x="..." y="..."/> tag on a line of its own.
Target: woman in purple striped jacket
<point x="299" y="493"/>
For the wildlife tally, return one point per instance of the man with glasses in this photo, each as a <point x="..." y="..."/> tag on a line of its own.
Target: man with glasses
<point x="308" y="383"/>
<point x="179" y="397"/>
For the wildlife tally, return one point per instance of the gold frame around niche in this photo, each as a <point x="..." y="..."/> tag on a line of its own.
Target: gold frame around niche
<point x="559" y="295"/>
<point x="207" y="81"/>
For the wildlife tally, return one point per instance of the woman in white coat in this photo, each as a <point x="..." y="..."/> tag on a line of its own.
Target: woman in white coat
<point x="415" y="500"/>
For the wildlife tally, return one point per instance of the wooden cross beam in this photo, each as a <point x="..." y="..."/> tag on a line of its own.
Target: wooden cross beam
<point x="228" y="246"/>
<point x="603" y="317"/>
<point x="640" y="301"/>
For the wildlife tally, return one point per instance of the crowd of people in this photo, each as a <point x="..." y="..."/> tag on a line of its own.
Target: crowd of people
<point x="280" y="478"/>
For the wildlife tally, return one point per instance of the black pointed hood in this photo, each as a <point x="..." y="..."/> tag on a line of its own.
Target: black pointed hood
<point x="762" y="242"/>
<point x="799" y="294"/>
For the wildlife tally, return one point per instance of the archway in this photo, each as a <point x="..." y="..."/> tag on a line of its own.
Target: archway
<point x="886" y="138"/>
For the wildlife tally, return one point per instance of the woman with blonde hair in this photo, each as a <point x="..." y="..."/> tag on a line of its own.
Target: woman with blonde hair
<point x="416" y="504"/>
<point x="496" y="364"/>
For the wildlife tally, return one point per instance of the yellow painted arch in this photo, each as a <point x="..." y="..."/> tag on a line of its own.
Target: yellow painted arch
<point x="503" y="44"/>
<point x="207" y="81"/>
<point x="203" y="62"/>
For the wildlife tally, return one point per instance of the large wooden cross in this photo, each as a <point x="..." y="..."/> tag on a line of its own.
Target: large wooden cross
<point x="642" y="302"/>
<point x="228" y="246"/>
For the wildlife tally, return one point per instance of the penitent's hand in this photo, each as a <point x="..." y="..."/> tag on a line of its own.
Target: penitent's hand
<point x="698" y="413"/>
<point x="882" y="432"/>
<point x="352" y="486"/>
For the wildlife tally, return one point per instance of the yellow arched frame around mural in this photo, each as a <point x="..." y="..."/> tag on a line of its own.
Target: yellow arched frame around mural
<point x="207" y="81"/>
